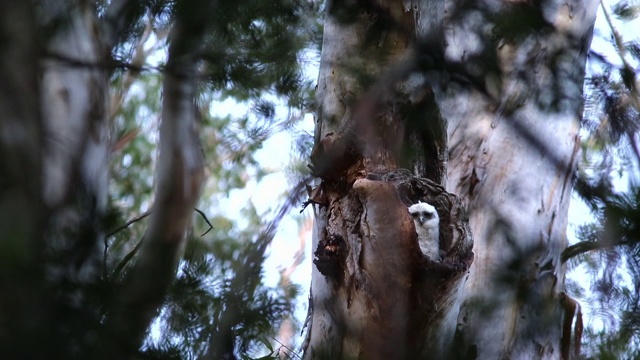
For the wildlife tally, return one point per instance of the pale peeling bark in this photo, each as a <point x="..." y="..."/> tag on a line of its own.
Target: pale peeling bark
<point x="374" y="295"/>
<point x="513" y="159"/>
<point x="512" y="107"/>
<point x="54" y="153"/>
<point x="339" y="325"/>
<point x="74" y="83"/>
<point x="76" y="149"/>
<point x="55" y="145"/>
<point x="180" y="179"/>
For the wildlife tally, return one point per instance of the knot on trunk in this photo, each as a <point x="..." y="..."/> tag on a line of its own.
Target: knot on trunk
<point x="370" y="256"/>
<point x="455" y="238"/>
<point x="329" y="256"/>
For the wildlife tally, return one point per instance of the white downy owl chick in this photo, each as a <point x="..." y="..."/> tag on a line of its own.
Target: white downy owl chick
<point x="426" y="220"/>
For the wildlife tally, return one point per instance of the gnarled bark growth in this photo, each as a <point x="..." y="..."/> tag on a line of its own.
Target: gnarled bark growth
<point x="386" y="294"/>
<point x="374" y="294"/>
<point x="508" y="96"/>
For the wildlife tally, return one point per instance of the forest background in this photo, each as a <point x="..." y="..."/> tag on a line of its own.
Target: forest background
<point x="85" y="90"/>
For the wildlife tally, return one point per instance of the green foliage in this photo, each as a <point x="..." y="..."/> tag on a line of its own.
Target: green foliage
<point x="251" y="58"/>
<point x="626" y="11"/>
<point x="253" y="55"/>
<point x="218" y="285"/>
<point x="519" y="20"/>
<point x="610" y="346"/>
<point x="609" y="246"/>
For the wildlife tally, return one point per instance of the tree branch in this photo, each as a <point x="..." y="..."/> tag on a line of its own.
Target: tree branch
<point x="586" y="246"/>
<point x="129" y="223"/>
<point x="180" y="178"/>
<point x="120" y="15"/>
<point x="99" y="64"/>
<point x="221" y="345"/>
<point x="204" y="217"/>
<point x="116" y="272"/>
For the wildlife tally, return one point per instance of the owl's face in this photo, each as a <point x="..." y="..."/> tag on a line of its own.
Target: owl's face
<point x="423" y="213"/>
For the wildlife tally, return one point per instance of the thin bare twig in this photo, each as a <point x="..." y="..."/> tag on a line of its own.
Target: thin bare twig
<point x="129" y="223"/>
<point x="125" y="260"/>
<point x="290" y="350"/>
<point x="105" y="252"/>
<point x="586" y="246"/>
<point x="206" y="220"/>
<point x="130" y="255"/>
<point x="634" y="145"/>
<point x="108" y="65"/>
<point x="631" y="85"/>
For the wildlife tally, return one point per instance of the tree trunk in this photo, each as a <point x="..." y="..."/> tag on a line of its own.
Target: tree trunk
<point x="509" y="92"/>
<point x="22" y="215"/>
<point x="514" y="161"/>
<point x="74" y="102"/>
<point x="54" y="151"/>
<point x="54" y="159"/>
<point x="180" y="178"/>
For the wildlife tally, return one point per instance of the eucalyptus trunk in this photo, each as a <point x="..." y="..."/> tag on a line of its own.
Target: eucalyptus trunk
<point x="54" y="151"/>
<point x="482" y="102"/>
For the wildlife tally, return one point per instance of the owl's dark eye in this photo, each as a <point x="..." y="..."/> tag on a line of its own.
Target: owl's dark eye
<point x="427" y="215"/>
<point x="415" y="215"/>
